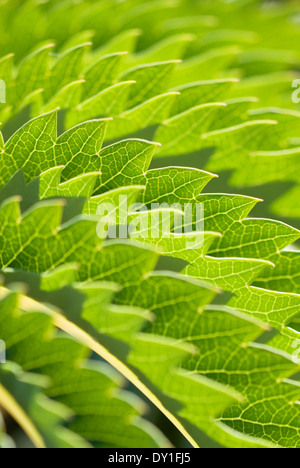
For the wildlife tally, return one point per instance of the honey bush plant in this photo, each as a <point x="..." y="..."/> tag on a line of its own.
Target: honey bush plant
<point x="112" y="98"/>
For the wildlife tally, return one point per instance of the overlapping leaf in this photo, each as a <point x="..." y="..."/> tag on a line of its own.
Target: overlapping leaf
<point x="96" y="410"/>
<point x="232" y="262"/>
<point x="200" y="364"/>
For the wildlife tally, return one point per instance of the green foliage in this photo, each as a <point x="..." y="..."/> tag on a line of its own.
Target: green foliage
<point x="103" y="414"/>
<point x="215" y="42"/>
<point x="212" y="347"/>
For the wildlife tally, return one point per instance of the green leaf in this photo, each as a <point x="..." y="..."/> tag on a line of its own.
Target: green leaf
<point x="73" y="380"/>
<point x="215" y="347"/>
